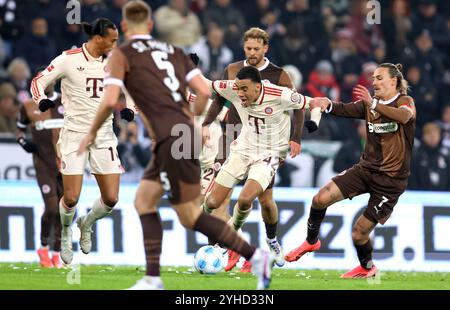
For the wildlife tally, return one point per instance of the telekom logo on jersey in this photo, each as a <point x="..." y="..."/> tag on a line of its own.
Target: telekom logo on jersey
<point x="95" y="85"/>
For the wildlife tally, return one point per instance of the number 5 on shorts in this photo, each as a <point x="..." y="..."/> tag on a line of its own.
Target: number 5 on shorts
<point x="165" y="181"/>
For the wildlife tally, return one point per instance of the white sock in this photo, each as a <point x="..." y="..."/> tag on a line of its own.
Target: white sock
<point x="206" y="209"/>
<point x="239" y="217"/>
<point x="272" y="240"/>
<point x="65" y="215"/>
<point x="152" y="279"/>
<point x="99" y="210"/>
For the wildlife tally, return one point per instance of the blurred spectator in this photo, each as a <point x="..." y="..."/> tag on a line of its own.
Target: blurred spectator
<point x="92" y="9"/>
<point x="177" y="25"/>
<point x="295" y="75"/>
<point x="37" y="48"/>
<point x="214" y="55"/>
<point x="52" y="10"/>
<point x="9" y="107"/>
<point x="199" y="7"/>
<point x="425" y="98"/>
<point x="19" y="75"/>
<point x="2" y="59"/>
<point x="430" y="166"/>
<point x="367" y="37"/>
<point x="71" y="37"/>
<point x="335" y="13"/>
<point x="366" y="77"/>
<point x="444" y="124"/>
<point x="11" y="27"/>
<point x="114" y="12"/>
<point x="428" y="58"/>
<point x="396" y="25"/>
<point x="295" y="49"/>
<point x="322" y="83"/>
<point x="427" y="18"/>
<point x="351" y="150"/>
<point x="347" y="62"/>
<point x="226" y="16"/>
<point x="265" y="15"/>
<point x="133" y="156"/>
<point x="299" y="14"/>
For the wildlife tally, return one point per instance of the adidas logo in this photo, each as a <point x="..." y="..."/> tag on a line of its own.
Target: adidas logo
<point x="80" y="69"/>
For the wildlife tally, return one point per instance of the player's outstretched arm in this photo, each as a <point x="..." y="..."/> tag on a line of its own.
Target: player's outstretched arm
<point x="53" y="72"/>
<point x="200" y="85"/>
<point x="403" y="113"/>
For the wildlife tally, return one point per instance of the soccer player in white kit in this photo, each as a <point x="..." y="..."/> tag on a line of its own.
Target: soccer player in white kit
<point x="81" y="72"/>
<point x="263" y="141"/>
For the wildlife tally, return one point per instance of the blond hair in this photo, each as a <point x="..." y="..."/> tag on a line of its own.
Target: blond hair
<point x="136" y="12"/>
<point x="396" y="71"/>
<point x="256" y="33"/>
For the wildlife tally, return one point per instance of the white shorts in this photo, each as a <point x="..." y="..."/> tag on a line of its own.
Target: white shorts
<point x="208" y="156"/>
<point x="239" y="166"/>
<point x="102" y="154"/>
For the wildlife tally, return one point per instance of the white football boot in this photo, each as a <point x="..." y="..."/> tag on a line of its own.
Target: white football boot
<point x="66" y="245"/>
<point x="262" y="262"/>
<point x="277" y="252"/>
<point x="147" y="283"/>
<point x="85" y="235"/>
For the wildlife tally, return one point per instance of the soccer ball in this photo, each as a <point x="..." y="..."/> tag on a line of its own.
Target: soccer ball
<point x="210" y="259"/>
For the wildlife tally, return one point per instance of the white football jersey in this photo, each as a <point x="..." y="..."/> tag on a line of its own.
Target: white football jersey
<point x="266" y="123"/>
<point x="81" y="87"/>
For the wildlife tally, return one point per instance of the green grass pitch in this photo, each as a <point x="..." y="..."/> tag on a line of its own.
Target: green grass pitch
<point x="21" y="276"/>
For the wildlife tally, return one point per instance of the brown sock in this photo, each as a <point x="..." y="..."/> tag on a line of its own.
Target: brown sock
<point x="365" y="254"/>
<point x="315" y="219"/>
<point x="217" y="229"/>
<point x="152" y="232"/>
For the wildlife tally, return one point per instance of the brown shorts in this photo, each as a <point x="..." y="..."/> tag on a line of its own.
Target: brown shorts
<point x="223" y="155"/>
<point x="180" y="178"/>
<point x="384" y="191"/>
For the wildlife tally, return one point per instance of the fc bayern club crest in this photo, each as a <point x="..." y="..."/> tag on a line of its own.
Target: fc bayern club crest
<point x="268" y="110"/>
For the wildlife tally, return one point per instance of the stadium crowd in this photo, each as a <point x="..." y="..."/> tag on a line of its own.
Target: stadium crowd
<point x="327" y="46"/>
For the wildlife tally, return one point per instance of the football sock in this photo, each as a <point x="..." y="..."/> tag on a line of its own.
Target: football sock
<point x="271" y="230"/>
<point x="239" y="216"/>
<point x="99" y="210"/>
<point x="315" y="219"/>
<point x="66" y="214"/>
<point x="152" y="232"/>
<point x="217" y="229"/>
<point x="365" y="254"/>
<point x="206" y="209"/>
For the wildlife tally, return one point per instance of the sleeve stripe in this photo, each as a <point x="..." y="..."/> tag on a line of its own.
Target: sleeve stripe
<point x="192" y="73"/>
<point x="34" y="86"/>
<point x="113" y="81"/>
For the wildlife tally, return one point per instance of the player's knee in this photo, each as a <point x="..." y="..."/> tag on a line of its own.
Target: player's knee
<point x="212" y="202"/>
<point x="320" y="201"/>
<point x="244" y="202"/>
<point x="110" y="200"/>
<point x="70" y="201"/>
<point x="267" y="204"/>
